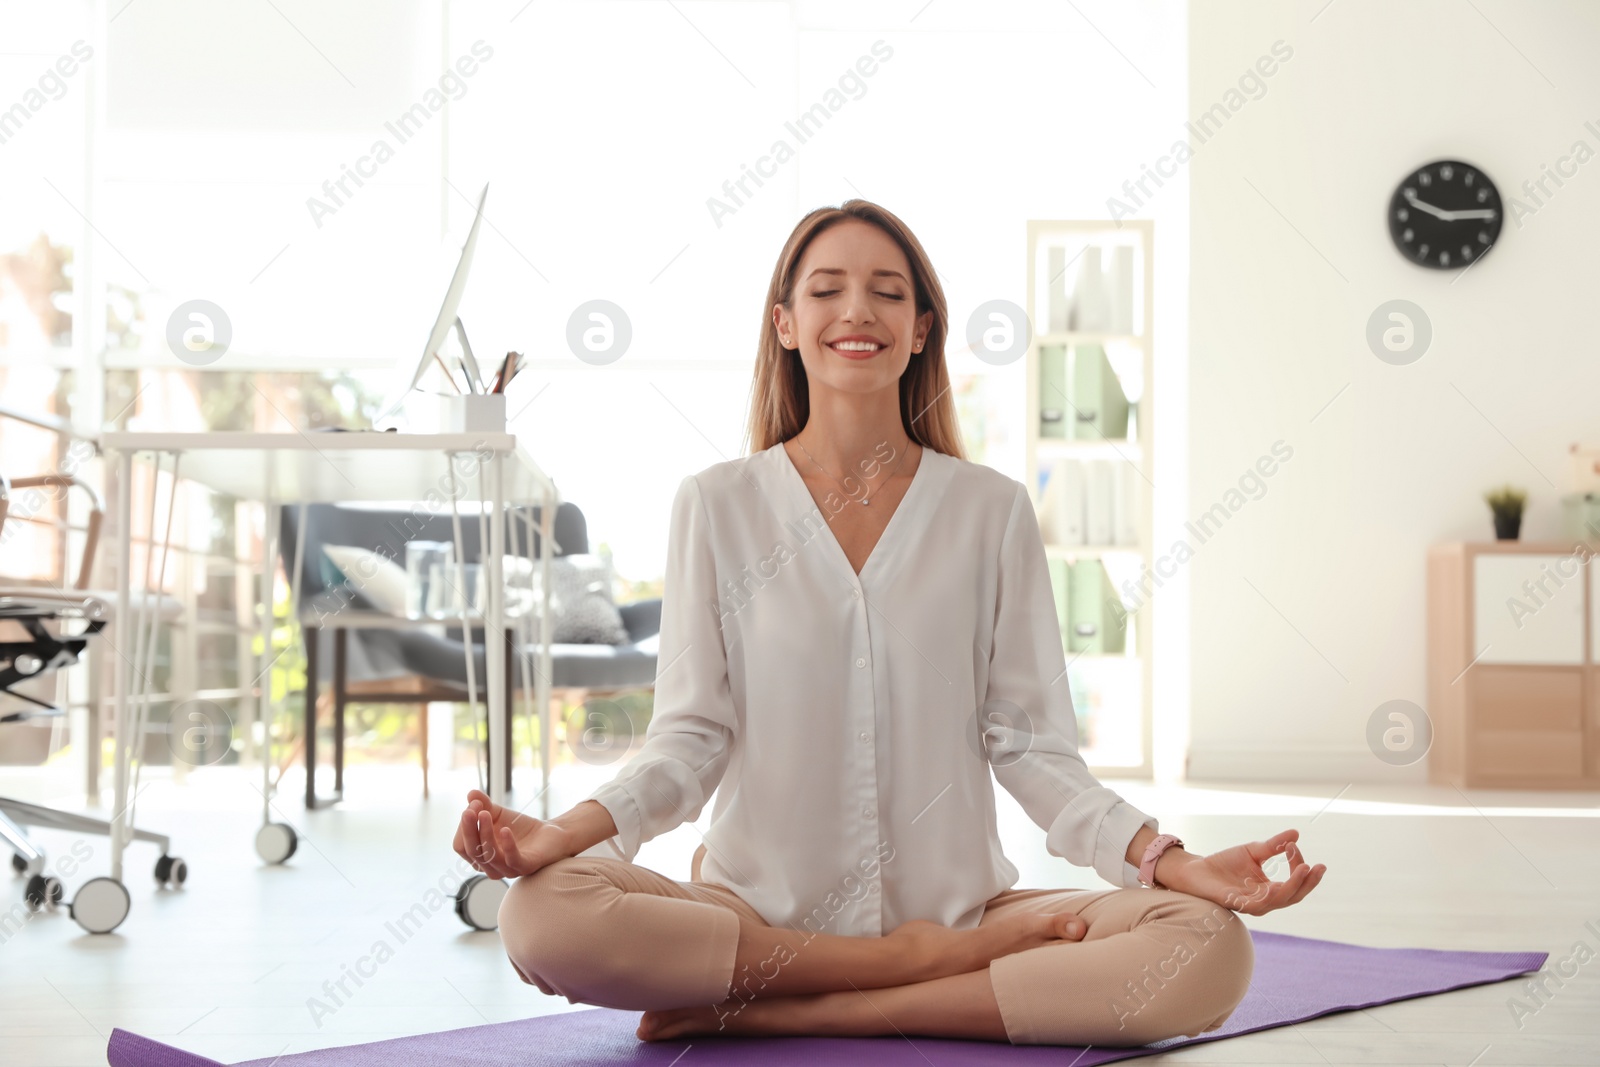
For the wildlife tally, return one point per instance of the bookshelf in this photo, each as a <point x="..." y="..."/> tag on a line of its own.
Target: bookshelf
<point x="1089" y="441"/>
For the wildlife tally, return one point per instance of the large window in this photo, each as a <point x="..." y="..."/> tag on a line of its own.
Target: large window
<point x="310" y="171"/>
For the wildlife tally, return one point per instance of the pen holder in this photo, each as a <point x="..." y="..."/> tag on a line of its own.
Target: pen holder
<point x="475" y="413"/>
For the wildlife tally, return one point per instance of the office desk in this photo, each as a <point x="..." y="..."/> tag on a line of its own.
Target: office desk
<point x="426" y="471"/>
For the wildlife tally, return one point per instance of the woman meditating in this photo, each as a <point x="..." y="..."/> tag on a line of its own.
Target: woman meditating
<point x="858" y="628"/>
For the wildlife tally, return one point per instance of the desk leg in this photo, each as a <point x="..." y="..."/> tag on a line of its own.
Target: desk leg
<point x="271" y="520"/>
<point x="468" y="655"/>
<point x="542" y="677"/>
<point x="495" y="633"/>
<point x="313" y="639"/>
<point x="123" y="664"/>
<point x="271" y="527"/>
<point x="510" y="655"/>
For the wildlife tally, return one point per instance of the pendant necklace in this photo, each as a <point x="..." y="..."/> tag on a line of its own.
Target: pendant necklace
<point x="864" y="500"/>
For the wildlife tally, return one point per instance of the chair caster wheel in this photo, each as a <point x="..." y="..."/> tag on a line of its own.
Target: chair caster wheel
<point x="44" y="890"/>
<point x="171" y="871"/>
<point x="276" y="842"/>
<point x="22" y="866"/>
<point x="478" y="901"/>
<point x="101" y="905"/>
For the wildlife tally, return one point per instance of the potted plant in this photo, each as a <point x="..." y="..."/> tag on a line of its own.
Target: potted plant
<point x="1506" y="504"/>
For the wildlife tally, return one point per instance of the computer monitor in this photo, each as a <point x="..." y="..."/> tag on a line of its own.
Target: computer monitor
<point x="444" y="322"/>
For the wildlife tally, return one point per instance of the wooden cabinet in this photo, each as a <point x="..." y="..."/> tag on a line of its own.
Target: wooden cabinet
<point x="1514" y="664"/>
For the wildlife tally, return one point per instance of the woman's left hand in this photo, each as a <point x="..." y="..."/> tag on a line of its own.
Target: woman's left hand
<point x="1234" y="878"/>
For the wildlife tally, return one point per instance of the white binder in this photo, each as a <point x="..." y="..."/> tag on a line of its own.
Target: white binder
<point x="1068" y="526"/>
<point x="1125" y="485"/>
<point x="1098" y="502"/>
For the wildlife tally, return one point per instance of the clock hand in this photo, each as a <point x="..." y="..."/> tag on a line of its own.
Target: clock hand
<point x="1436" y="212"/>
<point x="1457" y="216"/>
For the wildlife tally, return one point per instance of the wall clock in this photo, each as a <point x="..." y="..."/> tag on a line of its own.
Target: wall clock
<point x="1445" y="215"/>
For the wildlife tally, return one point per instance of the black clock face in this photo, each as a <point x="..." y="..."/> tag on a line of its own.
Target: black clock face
<point x="1446" y="215"/>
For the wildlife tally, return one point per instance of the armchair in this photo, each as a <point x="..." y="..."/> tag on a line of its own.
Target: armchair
<point x="363" y="654"/>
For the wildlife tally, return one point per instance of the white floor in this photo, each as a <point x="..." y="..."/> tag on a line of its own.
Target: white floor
<point x="232" y="965"/>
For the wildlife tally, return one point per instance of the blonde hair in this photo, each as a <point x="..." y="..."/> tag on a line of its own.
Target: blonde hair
<point x="780" y="402"/>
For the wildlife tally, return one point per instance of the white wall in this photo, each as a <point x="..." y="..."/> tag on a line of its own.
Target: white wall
<point x="987" y="115"/>
<point x="604" y="128"/>
<point x="1308" y="606"/>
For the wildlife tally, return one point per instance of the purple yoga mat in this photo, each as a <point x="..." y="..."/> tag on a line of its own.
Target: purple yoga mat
<point x="1296" y="978"/>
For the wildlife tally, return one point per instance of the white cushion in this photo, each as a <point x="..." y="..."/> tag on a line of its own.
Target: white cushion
<point x="376" y="576"/>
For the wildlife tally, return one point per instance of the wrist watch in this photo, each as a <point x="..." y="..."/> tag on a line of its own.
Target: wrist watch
<point x="1147" y="869"/>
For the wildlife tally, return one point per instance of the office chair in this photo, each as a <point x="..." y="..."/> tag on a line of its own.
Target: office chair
<point x="43" y="630"/>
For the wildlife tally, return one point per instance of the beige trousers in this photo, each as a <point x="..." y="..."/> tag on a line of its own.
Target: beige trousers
<point x="1154" y="964"/>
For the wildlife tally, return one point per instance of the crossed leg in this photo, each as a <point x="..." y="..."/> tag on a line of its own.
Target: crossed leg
<point x="1151" y="964"/>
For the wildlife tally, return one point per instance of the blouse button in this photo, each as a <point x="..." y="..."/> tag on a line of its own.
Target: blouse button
<point x="856" y="593"/>
<point x="860" y="662"/>
<point x="869" y="813"/>
<point x="865" y="737"/>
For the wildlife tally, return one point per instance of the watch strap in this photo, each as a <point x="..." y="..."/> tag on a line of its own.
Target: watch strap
<point x="1152" y="852"/>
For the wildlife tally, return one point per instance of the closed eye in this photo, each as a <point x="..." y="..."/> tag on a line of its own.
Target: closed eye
<point x="830" y="292"/>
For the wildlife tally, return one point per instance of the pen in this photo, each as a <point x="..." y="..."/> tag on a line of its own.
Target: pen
<point x="508" y="370"/>
<point x="450" y="377"/>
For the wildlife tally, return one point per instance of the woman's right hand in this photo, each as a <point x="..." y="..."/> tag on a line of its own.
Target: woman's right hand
<point x="503" y="843"/>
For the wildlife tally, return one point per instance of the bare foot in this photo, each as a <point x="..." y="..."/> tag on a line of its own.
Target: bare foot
<point x="946" y="951"/>
<point x="1018" y="933"/>
<point x="681" y="1022"/>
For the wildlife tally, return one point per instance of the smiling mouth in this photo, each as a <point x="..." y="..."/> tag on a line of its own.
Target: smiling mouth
<point x="857" y="349"/>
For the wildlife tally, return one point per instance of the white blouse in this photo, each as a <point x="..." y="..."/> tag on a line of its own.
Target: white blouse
<point x="837" y="717"/>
